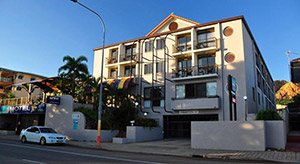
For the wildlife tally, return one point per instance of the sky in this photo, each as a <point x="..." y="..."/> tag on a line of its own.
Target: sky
<point x="35" y="35"/>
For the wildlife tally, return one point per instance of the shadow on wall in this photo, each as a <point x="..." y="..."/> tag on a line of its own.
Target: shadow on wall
<point x="64" y="120"/>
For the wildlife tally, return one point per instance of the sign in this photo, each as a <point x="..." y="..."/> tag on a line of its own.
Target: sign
<point x="75" y="116"/>
<point x="23" y="109"/>
<point x="75" y="124"/>
<point x="233" y="85"/>
<point x="53" y="100"/>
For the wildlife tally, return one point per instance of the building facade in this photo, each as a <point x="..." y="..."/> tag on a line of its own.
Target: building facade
<point x="182" y="68"/>
<point x="295" y="70"/>
<point x="10" y="78"/>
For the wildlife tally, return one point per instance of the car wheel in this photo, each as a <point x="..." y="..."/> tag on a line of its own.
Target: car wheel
<point x="43" y="141"/>
<point x="23" y="139"/>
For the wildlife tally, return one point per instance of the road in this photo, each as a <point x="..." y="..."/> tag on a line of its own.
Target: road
<point x="14" y="152"/>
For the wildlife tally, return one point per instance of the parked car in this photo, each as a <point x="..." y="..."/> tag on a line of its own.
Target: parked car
<point x="41" y="134"/>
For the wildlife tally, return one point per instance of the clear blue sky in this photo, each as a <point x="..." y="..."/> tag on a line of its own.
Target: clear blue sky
<point x="36" y="34"/>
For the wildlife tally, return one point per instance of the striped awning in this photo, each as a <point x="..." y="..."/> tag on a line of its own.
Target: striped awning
<point x="120" y="83"/>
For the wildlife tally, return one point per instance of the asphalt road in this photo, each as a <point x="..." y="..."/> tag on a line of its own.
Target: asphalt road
<point x="14" y="152"/>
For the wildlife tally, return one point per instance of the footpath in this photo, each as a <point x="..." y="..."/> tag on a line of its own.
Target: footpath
<point x="181" y="147"/>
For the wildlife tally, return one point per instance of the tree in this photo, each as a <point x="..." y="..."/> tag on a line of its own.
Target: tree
<point x="74" y="68"/>
<point x="29" y="88"/>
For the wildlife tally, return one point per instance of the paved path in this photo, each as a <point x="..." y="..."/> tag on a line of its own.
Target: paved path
<point x="182" y="148"/>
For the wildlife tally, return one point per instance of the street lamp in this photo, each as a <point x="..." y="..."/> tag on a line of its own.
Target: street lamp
<point x="246" y="111"/>
<point x="101" y="76"/>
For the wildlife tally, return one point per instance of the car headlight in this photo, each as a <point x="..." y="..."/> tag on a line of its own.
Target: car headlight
<point x="52" y="137"/>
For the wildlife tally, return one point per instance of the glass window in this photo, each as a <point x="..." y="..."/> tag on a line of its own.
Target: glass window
<point x="129" y="49"/>
<point x="147" y="93"/>
<point x="189" y="90"/>
<point x="155" y="95"/>
<point x="201" y="90"/>
<point x="127" y="70"/>
<point x="31" y="79"/>
<point x="20" y="77"/>
<point x="147" y="104"/>
<point x="211" y="89"/>
<point x="19" y="88"/>
<point x="160" y="44"/>
<point x="47" y="130"/>
<point x="147" y="68"/>
<point x="180" y="91"/>
<point x="113" y="73"/>
<point x="159" y="67"/>
<point x="148" y="46"/>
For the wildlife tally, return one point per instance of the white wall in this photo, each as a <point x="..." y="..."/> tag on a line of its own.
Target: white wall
<point x="59" y="117"/>
<point x="276" y="135"/>
<point x="141" y="134"/>
<point x="228" y="135"/>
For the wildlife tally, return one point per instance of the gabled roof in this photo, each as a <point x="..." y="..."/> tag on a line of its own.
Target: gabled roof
<point x="9" y="70"/>
<point x="168" y="19"/>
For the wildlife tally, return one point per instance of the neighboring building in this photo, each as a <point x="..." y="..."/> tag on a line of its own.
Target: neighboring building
<point x="8" y="79"/>
<point x="295" y="70"/>
<point x="181" y="69"/>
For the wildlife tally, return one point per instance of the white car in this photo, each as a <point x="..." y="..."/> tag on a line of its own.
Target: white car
<point x="41" y="134"/>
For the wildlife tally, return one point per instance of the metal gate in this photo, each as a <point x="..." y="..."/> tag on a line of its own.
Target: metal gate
<point x="179" y="126"/>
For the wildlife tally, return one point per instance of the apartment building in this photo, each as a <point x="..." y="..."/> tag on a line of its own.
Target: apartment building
<point x="8" y="79"/>
<point x="295" y="70"/>
<point x="187" y="71"/>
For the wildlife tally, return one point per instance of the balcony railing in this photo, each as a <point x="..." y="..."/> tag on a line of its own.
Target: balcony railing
<point x="20" y="101"/>
<point x="128" y="57"/>
<point x="195" y="71"/>
<point x="5" y="79"/>
<point x="111" y="60"/>
<point x="205" y="43"/>
<point x="182" y="47"/>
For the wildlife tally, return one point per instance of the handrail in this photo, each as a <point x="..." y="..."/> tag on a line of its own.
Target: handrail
<point x="205" y="43"/>
<point x="195" y="71"/>
<point x="182" y="47"/>
<point x="127" y="57"/>
<point x="20" y="101"/>
<point x="111" y="60"/>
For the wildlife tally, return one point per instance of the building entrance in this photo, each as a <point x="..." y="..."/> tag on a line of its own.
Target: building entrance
<point x="179" y="126"/>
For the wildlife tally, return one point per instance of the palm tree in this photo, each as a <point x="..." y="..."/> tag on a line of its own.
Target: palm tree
<point x="74" y="69"/>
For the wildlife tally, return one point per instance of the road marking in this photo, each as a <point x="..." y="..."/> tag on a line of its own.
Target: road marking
<point x="81" y="154"/>
<point x="31" y="161"/>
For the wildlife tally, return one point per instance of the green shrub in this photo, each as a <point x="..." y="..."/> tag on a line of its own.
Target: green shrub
<point x="268" y="114"/>
<point x="91" y="117"/>
<point x="146" y="122"/>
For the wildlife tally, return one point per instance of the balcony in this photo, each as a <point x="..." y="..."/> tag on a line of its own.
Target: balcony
<point x="111" y="60"/>
<point x="195" y="103"/>
<point x="182" y="47"/>
<point x="195" y="72"/>
<point x="128" y="57"/>
<point x="205" y="43"/>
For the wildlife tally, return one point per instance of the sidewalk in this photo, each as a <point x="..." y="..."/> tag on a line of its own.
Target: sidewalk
<point x="181" y="147"/>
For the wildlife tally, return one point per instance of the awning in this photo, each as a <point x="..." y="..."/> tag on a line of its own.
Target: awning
<point x="120" y="83"/>
<point x="45" y="84"/>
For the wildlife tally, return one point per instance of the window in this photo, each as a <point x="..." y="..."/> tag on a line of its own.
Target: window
<point x="20" y="77"/>
<point x="113" y="73"/>
<point x="180" y="91"/>
<point x="253" y="93"/>
<point x="258" y="98"/>
<point x="127" y="70"/>
<point x="206" y="64"/>
<point x="114" y="53"/>
<point x="148" y="46"/>
<point x="19" y="88"/>
<point x="155" y="96"/>
<point x="183" y="43"/>
<point x="184" y="67"/>
<point x="211" y="89"/>
<point x="160" y="44"/>
<point x="205" y="38"/>
<point x="198" y="90"/>
<point x="258" y="79"/>
<point x="31" y="79"/>
<point x="160" y="67"/>
<point x="148" y="68"/>
<point x="129" y="49"/>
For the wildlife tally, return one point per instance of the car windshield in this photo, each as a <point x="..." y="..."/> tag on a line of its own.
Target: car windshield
<point x="47" y="130"/>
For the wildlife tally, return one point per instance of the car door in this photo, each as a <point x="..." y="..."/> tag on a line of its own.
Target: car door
<point x="36" y="134"/>
<point x="29" y="134"/>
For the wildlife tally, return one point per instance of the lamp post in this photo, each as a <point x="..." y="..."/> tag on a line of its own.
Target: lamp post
<point x="101" y="76"/>
<point x="246" y="111"/>
<point x="288" y="55"/>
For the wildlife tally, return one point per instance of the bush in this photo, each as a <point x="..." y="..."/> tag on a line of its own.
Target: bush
<point x="146" y="122"/>
<point x="91" y="117"/>
<point x="268" y="114"/>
